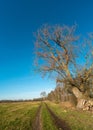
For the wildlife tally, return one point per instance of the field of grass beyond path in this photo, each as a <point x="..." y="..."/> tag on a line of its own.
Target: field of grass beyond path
<point x="17" y="116"/>
<point x="77" y="120"/>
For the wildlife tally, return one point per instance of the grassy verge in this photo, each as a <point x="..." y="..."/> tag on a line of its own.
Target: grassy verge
<point x="78" y="120"/>
<point x="46" y="120"/>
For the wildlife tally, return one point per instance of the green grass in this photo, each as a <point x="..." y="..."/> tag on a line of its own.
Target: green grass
<point x="20" y="116"/>
<point x="77" y="120"/>
<point x="47" y="120"/>
<point x="17" y="116"/>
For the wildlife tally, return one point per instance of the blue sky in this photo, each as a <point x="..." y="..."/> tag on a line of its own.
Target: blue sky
<point x="19" y="19"/>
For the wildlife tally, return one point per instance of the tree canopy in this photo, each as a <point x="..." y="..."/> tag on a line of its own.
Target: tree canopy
<point x="59" y="50"/>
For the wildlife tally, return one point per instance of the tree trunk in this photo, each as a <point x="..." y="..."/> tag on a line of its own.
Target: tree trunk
<point x="80" y="98"/>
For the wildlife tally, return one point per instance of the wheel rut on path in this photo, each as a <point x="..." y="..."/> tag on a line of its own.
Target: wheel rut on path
<point x="60" y="124"/>
<point x="37" y="124"/>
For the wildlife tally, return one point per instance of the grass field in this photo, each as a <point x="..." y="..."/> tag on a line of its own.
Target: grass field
<point x="17" y="116"/>
<point x="78" y="120"/>
<point x="22" y="116"/>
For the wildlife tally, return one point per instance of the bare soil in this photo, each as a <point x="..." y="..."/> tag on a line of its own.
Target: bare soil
<point x="59" y="123"/>
<point x="37" y="125"/>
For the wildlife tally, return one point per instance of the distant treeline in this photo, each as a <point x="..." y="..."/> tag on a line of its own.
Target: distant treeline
<point x="21" y="100"/>
<point x="60" y="95"/>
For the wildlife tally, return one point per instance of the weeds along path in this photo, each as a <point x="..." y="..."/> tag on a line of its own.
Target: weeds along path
<point x="37" y="124"/>
<point x="60" y="124"/>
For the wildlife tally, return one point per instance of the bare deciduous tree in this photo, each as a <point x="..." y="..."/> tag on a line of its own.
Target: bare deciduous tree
<point x="57" y="52"/>
<point x="56" y="47"/>
<point x="43" y="94"/>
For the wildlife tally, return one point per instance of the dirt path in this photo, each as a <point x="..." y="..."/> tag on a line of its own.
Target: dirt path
<point x="37" y="125"/>
<point x="60" y="124"/>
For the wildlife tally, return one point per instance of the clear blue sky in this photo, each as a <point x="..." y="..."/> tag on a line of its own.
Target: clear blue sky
<point x="18" y="20"/>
